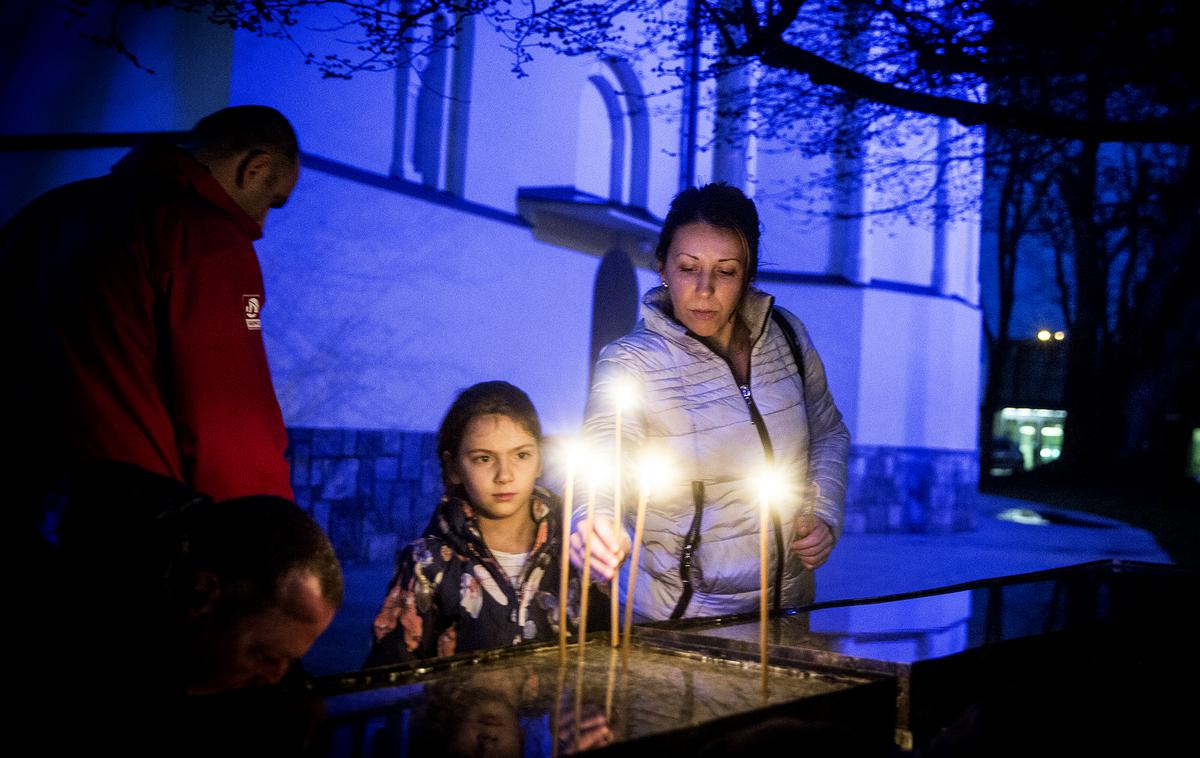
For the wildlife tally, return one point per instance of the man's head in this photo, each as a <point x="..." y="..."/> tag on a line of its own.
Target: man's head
<point x="253" y="154"/>
<point x="260" y="583"/>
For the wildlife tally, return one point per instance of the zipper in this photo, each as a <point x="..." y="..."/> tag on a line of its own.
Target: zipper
<point x="769" y="450"/>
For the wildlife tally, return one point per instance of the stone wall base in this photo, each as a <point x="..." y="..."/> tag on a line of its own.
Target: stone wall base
<point x="910" y="489"/>
<point x="374" y="491"/>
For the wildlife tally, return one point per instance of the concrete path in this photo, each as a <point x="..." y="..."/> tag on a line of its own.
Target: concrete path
<point x="869" y="565"/>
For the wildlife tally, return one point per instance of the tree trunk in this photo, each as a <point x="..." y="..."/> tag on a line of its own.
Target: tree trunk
<point x="1087" y="436"/>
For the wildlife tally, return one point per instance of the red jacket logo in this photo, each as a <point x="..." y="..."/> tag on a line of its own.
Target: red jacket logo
<point x="251" y="304"/>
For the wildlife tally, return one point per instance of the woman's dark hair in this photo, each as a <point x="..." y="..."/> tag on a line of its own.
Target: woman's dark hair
<point x="484" y="399"/>
<point x="718" y="204"/>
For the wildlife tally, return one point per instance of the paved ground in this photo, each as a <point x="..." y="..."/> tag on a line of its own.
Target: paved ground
<point x="862" y="565"/>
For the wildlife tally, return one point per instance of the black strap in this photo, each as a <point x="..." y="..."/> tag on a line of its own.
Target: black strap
<point x="789" y="334"/>
<point x="769" y="450"/>
<point x="690" y="543"/>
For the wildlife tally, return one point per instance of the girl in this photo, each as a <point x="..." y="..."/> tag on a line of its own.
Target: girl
<point x="486" y="573"/>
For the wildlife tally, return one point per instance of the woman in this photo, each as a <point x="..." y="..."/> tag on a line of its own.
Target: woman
<point x="723" y="395"/>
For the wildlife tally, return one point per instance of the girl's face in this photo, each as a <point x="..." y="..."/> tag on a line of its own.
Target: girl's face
<point x="705" y="274"/>
<point x="497" y="463"/>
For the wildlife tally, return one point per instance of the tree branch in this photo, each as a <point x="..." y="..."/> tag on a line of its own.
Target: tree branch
<point x="820" y="70"/>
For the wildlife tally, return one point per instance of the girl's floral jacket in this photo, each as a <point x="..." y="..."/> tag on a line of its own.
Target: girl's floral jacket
<point x="450" y="595"/>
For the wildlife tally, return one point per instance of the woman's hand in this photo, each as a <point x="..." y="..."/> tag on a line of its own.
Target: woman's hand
<point x="813" y="540"/>
<point x="609" y="549"/>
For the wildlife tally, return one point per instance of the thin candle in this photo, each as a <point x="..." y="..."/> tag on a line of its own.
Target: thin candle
<point x="622" y="397"/>
<point x="564" y="580"/>
<point x="653" y="474"/>
<point x="586" y="579"/>
<point x="769" y="486"/>
<point x="633" y="562"/>
<point x="763" y="551"/>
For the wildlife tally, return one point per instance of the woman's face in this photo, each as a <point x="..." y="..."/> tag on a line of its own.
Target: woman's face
<point x="705" y="273"/>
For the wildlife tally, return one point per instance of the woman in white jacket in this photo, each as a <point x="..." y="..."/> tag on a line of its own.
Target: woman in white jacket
<point x="722" y="395"/>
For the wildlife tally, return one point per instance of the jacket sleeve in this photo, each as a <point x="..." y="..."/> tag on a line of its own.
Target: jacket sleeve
<point x="829" y="439"/>
<point x="408" y="623"/>
<point x="613" y="368"/>
<point x="228" y="424"/>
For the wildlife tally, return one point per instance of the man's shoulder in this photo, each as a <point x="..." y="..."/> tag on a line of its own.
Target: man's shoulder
<point x="97" y="195"/>
<point x="189" y="207"/>
<point x="190" y="233"/>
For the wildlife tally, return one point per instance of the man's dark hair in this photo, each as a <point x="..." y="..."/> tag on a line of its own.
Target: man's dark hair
<point x="484" y="399"/>
<point x="718" y="204"/>
<point x="234" y="130"/>
<point x="253" y="544"/>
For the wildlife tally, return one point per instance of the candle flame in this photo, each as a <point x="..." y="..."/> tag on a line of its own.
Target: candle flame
<point x="772" y="485"/>
<point x="597" y="472"/>
<point x="654" y="471"/>
<point x="625" y="392"/>
<point x="572" y="452"/>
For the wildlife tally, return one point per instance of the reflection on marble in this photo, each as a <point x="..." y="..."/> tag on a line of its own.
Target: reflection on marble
<point x="901" y="632"/>
<point x="906" y="629"/>
<point x="530" y="705"/>
<point x="1102" y="636"/>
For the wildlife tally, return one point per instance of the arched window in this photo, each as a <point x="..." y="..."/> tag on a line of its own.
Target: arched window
<point x="612" y="157"/>
<point x="600" y="155"/>
<point x="432" y="110"/>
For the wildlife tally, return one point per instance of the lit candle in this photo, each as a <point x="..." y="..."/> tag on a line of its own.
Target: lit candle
<point x="571" y="453"/>
<point x="763" y="551"/>
<point x="770" y="487"/>
<point x="623" y="395"/>
<point x="653" y="471"/>
<point x="586" y="579"/>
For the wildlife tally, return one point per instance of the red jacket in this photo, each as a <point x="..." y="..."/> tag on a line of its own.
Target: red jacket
<point x="134" y="301"/>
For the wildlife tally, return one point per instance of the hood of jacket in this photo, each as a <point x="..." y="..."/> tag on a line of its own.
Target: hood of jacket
<point x="754" y="309"/>
<point x="454" y="521"/>
<point x="158" y="163"/>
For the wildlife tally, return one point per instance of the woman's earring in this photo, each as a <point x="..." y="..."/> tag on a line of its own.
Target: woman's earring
<point x="664" y="283"/>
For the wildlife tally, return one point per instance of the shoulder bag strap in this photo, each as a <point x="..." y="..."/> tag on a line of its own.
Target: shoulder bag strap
<point x="789" y="334"/>
<point x="690" y="543"/>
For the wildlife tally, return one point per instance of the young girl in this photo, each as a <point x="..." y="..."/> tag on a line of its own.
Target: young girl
<point x="486" y="573"/>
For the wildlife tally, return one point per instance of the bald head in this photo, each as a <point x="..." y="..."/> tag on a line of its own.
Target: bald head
<point x="232" y="131"/>
<point x="252" y="152"/>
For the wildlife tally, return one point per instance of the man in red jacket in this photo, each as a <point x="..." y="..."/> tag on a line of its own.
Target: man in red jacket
<point x="133" y="302"/>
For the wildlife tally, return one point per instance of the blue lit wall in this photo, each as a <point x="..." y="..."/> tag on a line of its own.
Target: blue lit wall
<point x="401" y="270"/>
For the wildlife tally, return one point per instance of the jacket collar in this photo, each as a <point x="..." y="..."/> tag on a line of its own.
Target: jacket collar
<point x="163" y="162"/>
<point x="455" y="522"/>
<point x="753" y="310"/>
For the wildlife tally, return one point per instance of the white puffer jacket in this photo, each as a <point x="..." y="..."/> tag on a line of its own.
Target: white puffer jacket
<point x="692" y="410"/>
